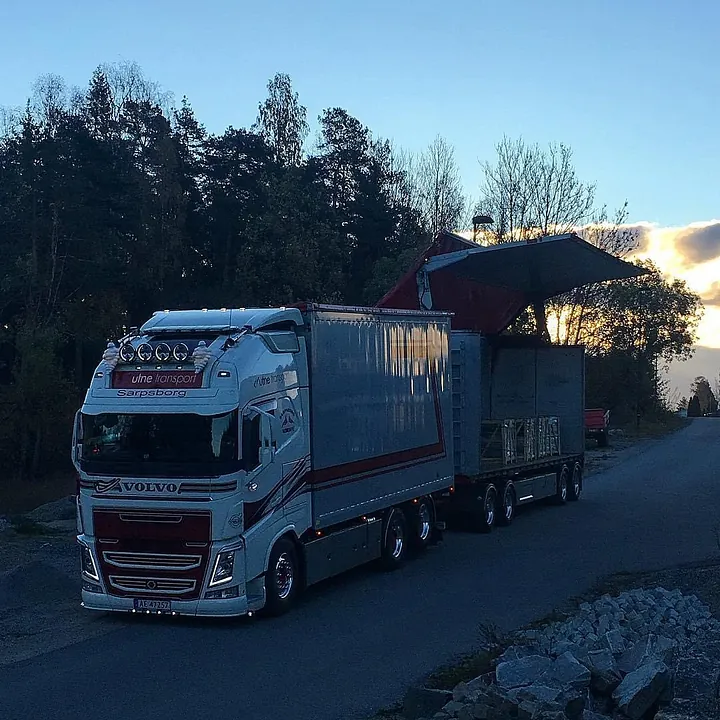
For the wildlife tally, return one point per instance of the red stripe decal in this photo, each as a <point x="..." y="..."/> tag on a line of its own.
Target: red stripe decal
<point x="386" y="463"/>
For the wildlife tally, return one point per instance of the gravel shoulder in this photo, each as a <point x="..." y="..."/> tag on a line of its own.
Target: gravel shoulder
<point x="40" y="597"/>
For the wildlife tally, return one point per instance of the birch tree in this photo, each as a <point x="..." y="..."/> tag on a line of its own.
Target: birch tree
<point x="282" y="121"/>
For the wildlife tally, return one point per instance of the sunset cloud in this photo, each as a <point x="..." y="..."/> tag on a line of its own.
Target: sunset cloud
<point x="690" y="253"/>
<point x="699" y="243"/>
<point x="712" y="295"/>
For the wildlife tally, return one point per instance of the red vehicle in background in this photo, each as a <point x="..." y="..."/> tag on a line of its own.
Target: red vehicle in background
<point x="596" y="425"/>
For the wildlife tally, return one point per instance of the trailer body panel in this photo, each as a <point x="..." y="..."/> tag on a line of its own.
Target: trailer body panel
<point x="514" y="408"/>
<point x="379" y="396"/>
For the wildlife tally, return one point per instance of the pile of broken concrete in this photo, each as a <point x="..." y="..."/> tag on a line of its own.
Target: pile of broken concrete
<point x="54" y="518"/>
<point x="620" y="657"/>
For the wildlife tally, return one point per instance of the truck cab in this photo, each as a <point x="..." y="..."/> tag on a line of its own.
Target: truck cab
<point x="181" y="445"/>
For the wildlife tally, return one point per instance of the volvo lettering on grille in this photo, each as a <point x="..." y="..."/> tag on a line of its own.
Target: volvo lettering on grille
<point x="118" y="485"/>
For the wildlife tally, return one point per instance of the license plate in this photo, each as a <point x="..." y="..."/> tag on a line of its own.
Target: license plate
<point x="153" y="605"/>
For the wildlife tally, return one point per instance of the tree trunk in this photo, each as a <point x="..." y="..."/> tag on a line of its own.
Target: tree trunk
<point x="541" y="321"/>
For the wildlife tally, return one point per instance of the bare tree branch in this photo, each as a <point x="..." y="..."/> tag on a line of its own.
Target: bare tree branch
<point x="442" y="201"/>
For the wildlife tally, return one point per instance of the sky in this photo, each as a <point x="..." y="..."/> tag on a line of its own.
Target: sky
<point x="633" y="87"/>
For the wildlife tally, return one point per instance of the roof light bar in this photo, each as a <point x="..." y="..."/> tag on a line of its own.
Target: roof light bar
<point x="181" y="352"/>
<point x="145" y="352"/>
<point x="127" y="353"/>
<point x="162" y="352"/>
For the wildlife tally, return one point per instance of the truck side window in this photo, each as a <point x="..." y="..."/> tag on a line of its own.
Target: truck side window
<point x="251" y="442"/>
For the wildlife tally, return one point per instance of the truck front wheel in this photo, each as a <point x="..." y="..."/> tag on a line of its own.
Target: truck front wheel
<point x="395" y="536"/>
<point x="282" y="579"/>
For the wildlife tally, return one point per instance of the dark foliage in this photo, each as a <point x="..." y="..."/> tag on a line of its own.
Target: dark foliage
<point x="112" y="207"/>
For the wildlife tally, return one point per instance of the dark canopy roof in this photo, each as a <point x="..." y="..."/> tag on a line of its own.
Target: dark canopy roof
<point x="540" y="269"/>
<point x="487" y="287"/>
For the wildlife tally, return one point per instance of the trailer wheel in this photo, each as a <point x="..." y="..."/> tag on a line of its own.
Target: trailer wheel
<point x="507" y="504"/>
<point x="422" y="513"/>
<point x="486" y="512"/>
<point x="575" y="488"/>
<point x="394" y="548"/>
<point x="602" y="439"/>
<point x="282" y="579"/>
<point x="563" y="483"/>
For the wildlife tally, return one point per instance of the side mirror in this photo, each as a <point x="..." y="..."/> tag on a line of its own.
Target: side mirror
<point x="76" y="451"/>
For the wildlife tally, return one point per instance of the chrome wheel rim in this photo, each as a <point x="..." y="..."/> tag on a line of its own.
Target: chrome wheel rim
<point x="397" y="539"/>
<point x="284" y="576"/>
<point x="489" y="509"/>
<point x="425" y="517"/>
<point x="563" y="486"/>
<point x="509" y="504"/>
<point x="577" y="482"/>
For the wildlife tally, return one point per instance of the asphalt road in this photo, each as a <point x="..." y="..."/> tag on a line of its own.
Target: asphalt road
<point x="355" y="645"/>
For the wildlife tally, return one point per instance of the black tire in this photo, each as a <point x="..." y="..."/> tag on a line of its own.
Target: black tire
<point x="486" y="512"/>
<point x="507" y="504"/>
<point x="562" y="485"/>
<point x="394" y="540"/>
<point x="422" y="514"/>
<point x="602" y="439"/>
<point x="282" y="579"/>
<point x="576" y="482"/>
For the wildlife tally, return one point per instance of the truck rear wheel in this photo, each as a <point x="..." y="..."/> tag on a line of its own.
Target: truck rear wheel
<point x="282" y="579"/>
<point x="563" y="484"/>
<point x="422" y="513"/>
<point x="507" y="503"/>
<point x="575" y="488"/>
<point x="395" y="537"/>
<point x="486" y="512"/>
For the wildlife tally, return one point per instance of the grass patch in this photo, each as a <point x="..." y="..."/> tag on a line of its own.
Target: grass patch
<point x="554" y="616"/>
<point x="392" y="712"/>
<point x="655" y="427"/>
<point x="464" y="669"/>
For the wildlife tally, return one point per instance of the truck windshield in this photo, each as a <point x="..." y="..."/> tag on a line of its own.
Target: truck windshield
<point x="162" y="445"/>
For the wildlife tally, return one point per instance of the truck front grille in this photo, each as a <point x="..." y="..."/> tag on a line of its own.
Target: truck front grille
<point x="153" y="552"/>
<point x="152" y="561"/>
<point x="152" y="585"/>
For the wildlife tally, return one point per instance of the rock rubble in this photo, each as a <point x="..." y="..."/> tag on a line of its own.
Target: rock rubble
<point x="640" y="655"/>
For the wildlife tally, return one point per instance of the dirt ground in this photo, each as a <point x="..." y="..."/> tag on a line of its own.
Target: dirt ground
<point x="40" y="597"/>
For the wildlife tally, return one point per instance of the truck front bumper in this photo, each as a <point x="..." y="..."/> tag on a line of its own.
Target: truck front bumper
<point x="95" y="595"/>
<point x="227" y="607"/>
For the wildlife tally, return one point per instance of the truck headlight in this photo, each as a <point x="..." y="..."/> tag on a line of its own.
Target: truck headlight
<point x="223" y="570"/>
<point x="78" y="516"/>
<point x="224" y="593"/>
<point x="87" y="562"/>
